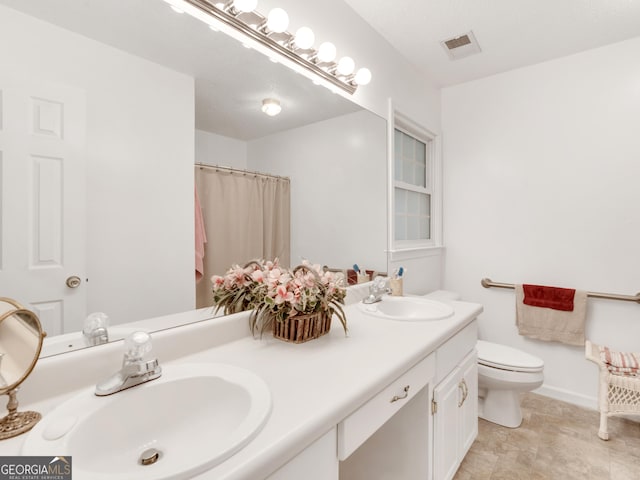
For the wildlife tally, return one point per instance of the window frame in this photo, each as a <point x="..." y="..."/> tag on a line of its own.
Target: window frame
<point x="432" y="185"/>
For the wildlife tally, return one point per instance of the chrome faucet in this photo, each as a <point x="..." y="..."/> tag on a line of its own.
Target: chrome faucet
<point x="378" y="288"/>
<point x="95" y="329"/>
<point x="135" y="369"/>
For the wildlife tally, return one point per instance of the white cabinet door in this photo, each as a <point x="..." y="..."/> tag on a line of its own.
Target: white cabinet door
<point x="446" y="431"/>
<point x="42" y="199"/>
<point x="455" y="423"/>
<point x="469" y="407"/>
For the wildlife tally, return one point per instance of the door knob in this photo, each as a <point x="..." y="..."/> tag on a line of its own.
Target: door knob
<point x="73" y="281"/>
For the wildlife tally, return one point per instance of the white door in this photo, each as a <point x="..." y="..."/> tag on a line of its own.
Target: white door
<point x="446" y="427"/>
<point x="43" y="200"/>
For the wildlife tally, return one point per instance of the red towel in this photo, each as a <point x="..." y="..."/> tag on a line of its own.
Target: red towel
<point x="549" y="297"/>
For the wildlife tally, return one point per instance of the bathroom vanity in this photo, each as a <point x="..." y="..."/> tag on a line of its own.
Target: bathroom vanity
<point x="394" y="397"/>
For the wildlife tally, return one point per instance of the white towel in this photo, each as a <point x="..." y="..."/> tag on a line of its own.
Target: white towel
<point x="552" y="325"/>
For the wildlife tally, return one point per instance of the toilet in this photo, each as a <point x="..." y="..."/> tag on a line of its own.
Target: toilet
<point x="503" y="373"/>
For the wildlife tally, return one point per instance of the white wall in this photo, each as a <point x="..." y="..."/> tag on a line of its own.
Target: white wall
<point x="140" y="152"/>
<point x="338" y="188"/>
<point x="541" y="186"/>
<point x="214" y="149"/>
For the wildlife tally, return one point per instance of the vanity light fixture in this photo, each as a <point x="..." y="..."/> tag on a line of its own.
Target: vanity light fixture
<point x="271" y="106"/>
<point x="269" y="35"/>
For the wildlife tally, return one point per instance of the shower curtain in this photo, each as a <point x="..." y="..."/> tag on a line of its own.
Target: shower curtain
<point x="246" y="217"/>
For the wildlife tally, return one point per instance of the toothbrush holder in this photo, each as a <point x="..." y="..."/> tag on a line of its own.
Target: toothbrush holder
<point x="363" y="278"/>
<point x="396" y="286"/>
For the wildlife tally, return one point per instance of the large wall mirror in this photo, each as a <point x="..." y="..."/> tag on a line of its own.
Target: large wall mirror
<point x="119" y="100"/>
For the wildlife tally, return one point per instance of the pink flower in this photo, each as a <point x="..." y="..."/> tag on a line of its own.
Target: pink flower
<point x="258" y="276"/>
<point x="283" y="295"/>
<point x="217" y="281"/>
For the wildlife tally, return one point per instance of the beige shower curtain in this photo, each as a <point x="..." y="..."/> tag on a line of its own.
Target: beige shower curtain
<point x="246" y="217"/>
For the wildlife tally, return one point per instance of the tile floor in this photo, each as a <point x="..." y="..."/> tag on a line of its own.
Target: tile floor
<point x="556" y="441"/>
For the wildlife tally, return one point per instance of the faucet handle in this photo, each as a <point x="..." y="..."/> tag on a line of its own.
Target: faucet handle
<point x="137" y="345"/>
<point x="95" y="330"/>
<point x="94" y="321"/>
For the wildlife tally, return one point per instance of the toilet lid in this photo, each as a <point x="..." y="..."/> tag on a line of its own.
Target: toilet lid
<point x="507" y="358"/>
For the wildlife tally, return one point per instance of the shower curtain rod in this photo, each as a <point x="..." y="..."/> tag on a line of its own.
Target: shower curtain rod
<point x="487" y="282"/>
<point x="240" y="171"/>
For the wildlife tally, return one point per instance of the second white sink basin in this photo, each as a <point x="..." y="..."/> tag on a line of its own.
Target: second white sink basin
<point x="192" y="418"/>
<point x="411" y="309"/>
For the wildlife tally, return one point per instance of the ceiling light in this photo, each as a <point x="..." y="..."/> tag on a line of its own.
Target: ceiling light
<point x="326" y="52"/>
<point x="278" y="20"/>
<point x="271" y="106"/>
<point x="346" y="66"/>
<point x="363" y="76"/>
<point x="245" y="6"/>
<point x="269" y="36"/>
<point x="304" y="38"/>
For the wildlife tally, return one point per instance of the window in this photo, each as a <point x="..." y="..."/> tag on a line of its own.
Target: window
<point x="412" y="188"/>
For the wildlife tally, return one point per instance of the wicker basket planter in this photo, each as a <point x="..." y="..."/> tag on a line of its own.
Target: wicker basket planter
<point x="280" y="299"/>
<point x="302" y="328"/>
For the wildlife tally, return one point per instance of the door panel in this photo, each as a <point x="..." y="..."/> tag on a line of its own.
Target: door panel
<point x="43" y="199"/>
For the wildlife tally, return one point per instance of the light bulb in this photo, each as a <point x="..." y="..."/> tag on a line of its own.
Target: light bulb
<point x="363" y="76"/>
<point x="326" y="52"/>
<point x="271" y="106"/>
<point x="277" y="20"/>
<point x="245" y="5"/>
<point x="304" y="38"/>
<point x="346" y="66"/>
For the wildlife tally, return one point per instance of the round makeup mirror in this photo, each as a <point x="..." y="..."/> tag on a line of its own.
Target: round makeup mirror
<point x="20" y="343"/>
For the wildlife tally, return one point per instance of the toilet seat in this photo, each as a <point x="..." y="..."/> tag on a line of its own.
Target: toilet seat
<point x="504" y="357"/>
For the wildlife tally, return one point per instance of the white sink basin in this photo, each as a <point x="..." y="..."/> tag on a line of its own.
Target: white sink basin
<point x="409" y="309"/>
<point x="195" y="415"/>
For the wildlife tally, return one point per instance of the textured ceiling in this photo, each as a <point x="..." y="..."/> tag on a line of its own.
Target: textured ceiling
<point x="511" y="33"/>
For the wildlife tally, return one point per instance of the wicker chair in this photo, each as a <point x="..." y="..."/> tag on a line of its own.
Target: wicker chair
<point x="618" y="394"/>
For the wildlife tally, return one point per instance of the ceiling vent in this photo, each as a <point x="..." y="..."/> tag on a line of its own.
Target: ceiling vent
<point x="461" y="46"/>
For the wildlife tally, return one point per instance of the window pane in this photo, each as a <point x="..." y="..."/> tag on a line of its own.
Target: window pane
<point x="425" y="230"/>
<point x="421" y="153"/>
<point x="400" y="227"/>
<point x="400" y="200"/>
<point x="414" y="200"/>
<point x="408" y="145"/>
<point x="413" y="229"/>
<point x="397" y="155"/>
<point x="421" y="178"/>
<point x="407" y="172"/>
<point x="412" y="209"/>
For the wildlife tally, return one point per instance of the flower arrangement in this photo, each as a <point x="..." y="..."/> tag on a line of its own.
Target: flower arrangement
<point x="278" y="296"/>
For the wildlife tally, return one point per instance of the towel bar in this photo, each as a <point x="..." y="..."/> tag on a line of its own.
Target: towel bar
<point x="487" y="283"/>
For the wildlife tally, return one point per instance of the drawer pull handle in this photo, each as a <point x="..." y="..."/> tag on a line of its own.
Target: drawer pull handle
<point x="401" y="397"/>
<point x="465" y="391"/>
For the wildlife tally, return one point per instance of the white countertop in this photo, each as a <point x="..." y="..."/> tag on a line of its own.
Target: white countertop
<point x="314" y="385"/>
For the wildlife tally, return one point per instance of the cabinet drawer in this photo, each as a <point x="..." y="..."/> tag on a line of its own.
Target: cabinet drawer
<point x="361" y="424"/>
<point x="455" y="349"/>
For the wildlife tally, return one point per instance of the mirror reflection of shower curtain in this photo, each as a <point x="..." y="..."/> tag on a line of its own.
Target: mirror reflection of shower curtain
<point x="246" y="217"/>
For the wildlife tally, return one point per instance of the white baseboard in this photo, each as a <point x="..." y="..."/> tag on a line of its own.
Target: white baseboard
<point x="568" y="396"/>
